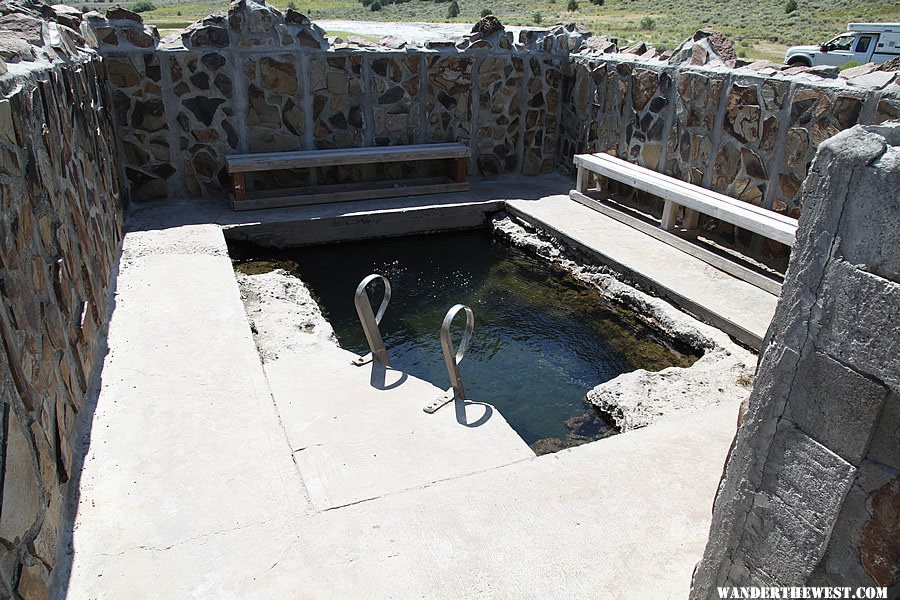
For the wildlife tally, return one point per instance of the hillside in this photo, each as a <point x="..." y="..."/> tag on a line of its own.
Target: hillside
<point x="759" y="28"/>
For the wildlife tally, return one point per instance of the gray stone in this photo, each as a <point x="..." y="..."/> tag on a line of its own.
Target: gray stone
<point x="859" y="309"/>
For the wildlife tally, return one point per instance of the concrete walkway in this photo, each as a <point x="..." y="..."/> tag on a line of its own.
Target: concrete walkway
<point x="734" y="306"/>
<point x="210" y="475"/>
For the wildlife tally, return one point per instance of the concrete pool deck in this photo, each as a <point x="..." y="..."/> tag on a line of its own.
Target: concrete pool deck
<point x="209" y="474"/>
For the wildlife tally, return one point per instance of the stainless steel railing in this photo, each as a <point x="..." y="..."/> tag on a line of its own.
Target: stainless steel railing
<point x="453" y="356"/>
<point x="370" y="320"/>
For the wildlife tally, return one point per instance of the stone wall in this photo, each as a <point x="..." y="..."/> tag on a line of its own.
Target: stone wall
<point x="810" y="494"/>
<point x="60" y="231"/>
<point x="745" y="133"/>
<point x="256" y="81"/>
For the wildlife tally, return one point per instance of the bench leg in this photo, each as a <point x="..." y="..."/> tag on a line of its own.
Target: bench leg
<point x="459" y="170"/>
<point x="691" y="220"/>
<point x="668" y="217"/>
<point x="240" y="187"/>
<point x="581" y="181"/>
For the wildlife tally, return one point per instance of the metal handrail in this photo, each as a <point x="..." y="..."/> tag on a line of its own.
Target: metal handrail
<point x="370" y="320"/>
<point x="453" y="356"/>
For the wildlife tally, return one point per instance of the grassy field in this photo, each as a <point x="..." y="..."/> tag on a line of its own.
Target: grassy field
<point x="759" y="28"/>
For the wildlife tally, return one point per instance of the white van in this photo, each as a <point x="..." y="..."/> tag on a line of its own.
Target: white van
<point x="863" y="43"/>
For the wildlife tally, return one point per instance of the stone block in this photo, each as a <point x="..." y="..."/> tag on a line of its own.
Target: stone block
<point x="836" y="405"/>
<point x="779" y="542"/>
<point x="869" y="230"/>
<point x="860" y="313"/>
<point x="807" y="476"/>
<point x="21" y="485"/>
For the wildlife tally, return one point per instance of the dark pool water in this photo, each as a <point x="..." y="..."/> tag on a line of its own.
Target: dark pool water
<point x="542" y="339"/>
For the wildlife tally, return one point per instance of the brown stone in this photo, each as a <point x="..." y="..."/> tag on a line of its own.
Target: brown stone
<point x="879" y="545"/>
<point x="887" y="110"/>
<point x="21" y="485"/>
<point x="117" y="12"/>
<point x="769" y="134"/>
<point x="790" y="185"/>
<point x="846" y="110"/>
<point x="822" y="130"/>
<point x="34" y="582"/>
<point x="121" y="71"/>
<point x="727" y="165"/>
<point x="488" y="26"/>
<point x="646" y="83"/>
<point x="743" y="113"/>
<point x="139" y="37"/>
<point x="753" y="165"/>
<point x="796" y="146"/>
<point x="279" y="77"/>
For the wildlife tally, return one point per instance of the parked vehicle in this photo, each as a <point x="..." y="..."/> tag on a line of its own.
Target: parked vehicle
<point x="862" y="42"/>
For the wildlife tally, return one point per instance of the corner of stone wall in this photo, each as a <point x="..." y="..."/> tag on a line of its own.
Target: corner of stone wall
<point x="811" y="494"/>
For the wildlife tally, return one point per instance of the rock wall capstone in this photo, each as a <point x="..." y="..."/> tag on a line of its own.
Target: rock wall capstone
<point x="811" y="491"/>
<point x="60" y="233"/>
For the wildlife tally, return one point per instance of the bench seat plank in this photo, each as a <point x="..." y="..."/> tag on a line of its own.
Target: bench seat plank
<point x="744" y="215"/>
<point x="625" y="166"/>
<point x="270" y="161"/>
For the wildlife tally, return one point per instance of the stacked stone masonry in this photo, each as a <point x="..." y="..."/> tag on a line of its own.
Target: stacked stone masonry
<point x="97" y="107"/>
<point x="60" y="233"/>
<point x="260" y="81"/>
<point x="811" y="492"/>
<point x="256" y="80"/>
<point x="746" y="134"/>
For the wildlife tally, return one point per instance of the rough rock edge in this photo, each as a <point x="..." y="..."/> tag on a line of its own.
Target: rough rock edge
<point x="283" y="315"/>
<point x="639" y="398"/>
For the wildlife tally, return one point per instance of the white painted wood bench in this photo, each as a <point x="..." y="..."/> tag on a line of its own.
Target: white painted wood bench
<point x="239" y="165"/>
<point x="695" y="200"/>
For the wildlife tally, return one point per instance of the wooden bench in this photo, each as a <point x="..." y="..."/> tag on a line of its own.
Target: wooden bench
<point x="239" y="165"/>
<point x="695" y="200"/>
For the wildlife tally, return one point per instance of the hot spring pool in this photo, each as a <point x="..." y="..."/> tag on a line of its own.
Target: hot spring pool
<point x="542" y="339"/>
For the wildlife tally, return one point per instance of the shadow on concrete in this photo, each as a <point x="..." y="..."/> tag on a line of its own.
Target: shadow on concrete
<point x="462" y="413"/>
<point x="386" y="378"/>
<point x="65" y="549"/>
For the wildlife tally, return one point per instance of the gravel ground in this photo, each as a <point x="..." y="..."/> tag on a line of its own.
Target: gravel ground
<point x="411" y="32"/>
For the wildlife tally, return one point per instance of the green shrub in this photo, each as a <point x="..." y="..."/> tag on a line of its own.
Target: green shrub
<point x="142" y="6"/>
<point x="791" y="6"/>
<point x="375" y="6"/>
<point x="849" y="65"/>
<point x="573" y="6"/>
<point x="537" y="18"/>
<point x="453" y="10"/>
<point x="597" y="2"/>
<point x="648" y="24"/>
<point x="485" y="12"/>
<point x="292" y="5"/>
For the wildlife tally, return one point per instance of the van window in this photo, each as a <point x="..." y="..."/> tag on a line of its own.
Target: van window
<point x="842" y="42"/>
<point x="863" y="44"/>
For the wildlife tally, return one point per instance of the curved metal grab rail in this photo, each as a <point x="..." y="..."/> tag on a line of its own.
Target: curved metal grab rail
<point x="370" y="320"/>
<point x="453" y="356"/>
